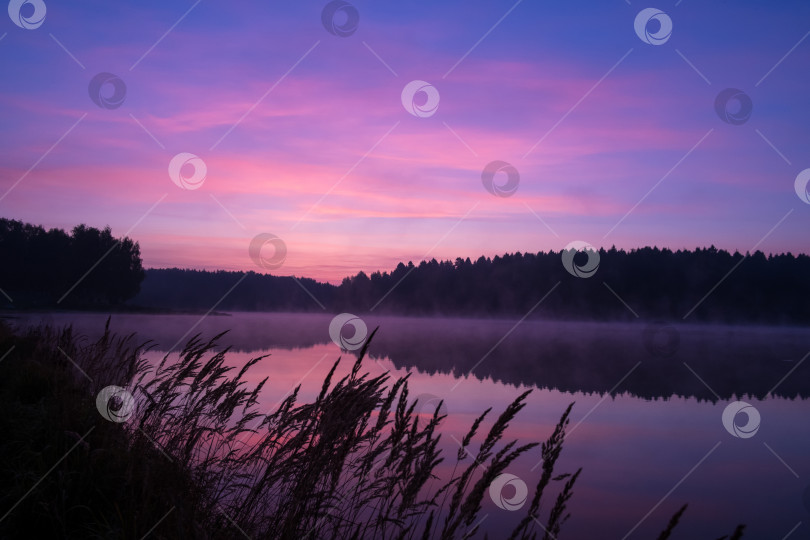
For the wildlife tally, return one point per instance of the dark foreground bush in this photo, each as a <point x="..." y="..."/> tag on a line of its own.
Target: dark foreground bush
<point x="197" y="459"/>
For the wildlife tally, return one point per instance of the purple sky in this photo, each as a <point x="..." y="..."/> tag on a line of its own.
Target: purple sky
<point x="304" y="134"/>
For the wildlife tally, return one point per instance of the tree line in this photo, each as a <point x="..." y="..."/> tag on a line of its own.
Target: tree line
<point x="86" y="267"/>
<point x="201" y="290"/>
<point x="702" y="284"/>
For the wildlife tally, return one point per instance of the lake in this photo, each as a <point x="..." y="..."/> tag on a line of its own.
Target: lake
<point x="647" y="425"/>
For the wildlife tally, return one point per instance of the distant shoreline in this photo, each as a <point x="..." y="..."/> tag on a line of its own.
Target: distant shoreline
<point x="6" y="314"/>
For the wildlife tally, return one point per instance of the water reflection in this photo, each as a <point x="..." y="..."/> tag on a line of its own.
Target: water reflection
<point x="648" y="360"/>
<point x="645" y="427"/>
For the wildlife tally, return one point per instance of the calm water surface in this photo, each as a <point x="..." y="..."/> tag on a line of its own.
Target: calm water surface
<point x="646" y="426"/>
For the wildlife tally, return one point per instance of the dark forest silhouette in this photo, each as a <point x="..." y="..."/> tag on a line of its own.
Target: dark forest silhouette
<point x="174" y="288"/>
<point x="655" y="283"/>
<point x="87" y="267"/>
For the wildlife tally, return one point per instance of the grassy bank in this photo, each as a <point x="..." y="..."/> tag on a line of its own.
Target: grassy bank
<point x="198" y="459"/>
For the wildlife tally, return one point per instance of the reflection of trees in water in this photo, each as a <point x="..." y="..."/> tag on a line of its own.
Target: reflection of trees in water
<point x="732" y="362"/>
<point x="568" y="356"/>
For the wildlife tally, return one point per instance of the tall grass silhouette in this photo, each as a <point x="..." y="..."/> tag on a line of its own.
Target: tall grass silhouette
<point x="358" y="462"/>
<point x="199" y="459"/>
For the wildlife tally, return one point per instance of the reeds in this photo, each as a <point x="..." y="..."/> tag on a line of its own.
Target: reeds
<point x="199" y="459"/>
<point x="358" y="462"/>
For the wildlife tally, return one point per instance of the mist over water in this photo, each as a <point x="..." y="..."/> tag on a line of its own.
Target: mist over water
<point x="663" y="359"/>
